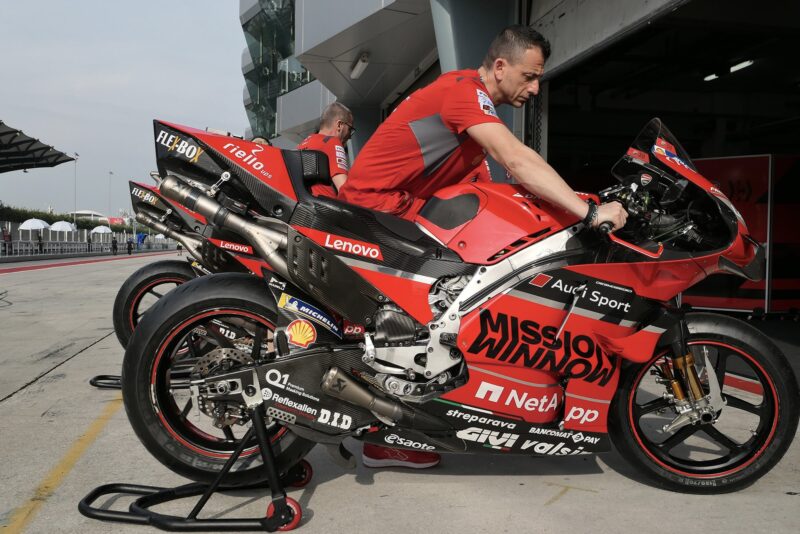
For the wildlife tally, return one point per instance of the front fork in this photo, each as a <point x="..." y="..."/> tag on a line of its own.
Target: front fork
<point x="683" y="384"/>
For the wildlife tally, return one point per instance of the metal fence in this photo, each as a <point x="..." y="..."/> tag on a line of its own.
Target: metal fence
<point x="33" y="243"/>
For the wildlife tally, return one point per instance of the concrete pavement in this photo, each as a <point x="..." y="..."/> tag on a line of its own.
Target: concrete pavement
<point x="61" y="438"/>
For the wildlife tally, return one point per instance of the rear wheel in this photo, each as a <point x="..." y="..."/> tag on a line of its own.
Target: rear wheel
<point x="751" y="433"/>
<point x="142" y="289"/>
<point x="212" y="324"/>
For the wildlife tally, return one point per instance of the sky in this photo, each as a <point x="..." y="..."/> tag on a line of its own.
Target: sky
<point x="89" y="77"/>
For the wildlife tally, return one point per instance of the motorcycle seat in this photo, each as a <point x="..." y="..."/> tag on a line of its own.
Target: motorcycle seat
<point x="307" y="167"/>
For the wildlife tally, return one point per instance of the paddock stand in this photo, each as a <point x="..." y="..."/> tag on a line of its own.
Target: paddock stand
<point x="283" y="513"/>
<point x="106" y="382"/>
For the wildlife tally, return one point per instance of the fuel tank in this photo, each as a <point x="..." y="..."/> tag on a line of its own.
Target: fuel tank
<point x="485" y="222"/>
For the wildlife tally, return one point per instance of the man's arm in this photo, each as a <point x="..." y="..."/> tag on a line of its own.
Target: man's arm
<point x="339" y="180"/>
<point x="536" y="175"/>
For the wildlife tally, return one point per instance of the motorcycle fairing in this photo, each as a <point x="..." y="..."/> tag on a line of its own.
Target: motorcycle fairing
<point x="600" y="323"/>
<point x="657" y="280"/>
<point x="521" y="394"/>
<point x="390" y="254"/>
<point x="259" y="173"/>
<point x="485" y="222"/>
<point x="481" y="432"/>
<point x="672" y="163"/>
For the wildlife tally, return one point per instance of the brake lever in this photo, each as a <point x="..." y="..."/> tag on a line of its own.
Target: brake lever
<point x="605" y="230"/>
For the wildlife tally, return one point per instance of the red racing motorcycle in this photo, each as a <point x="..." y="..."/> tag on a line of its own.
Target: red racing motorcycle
<point x="494" y="323"/>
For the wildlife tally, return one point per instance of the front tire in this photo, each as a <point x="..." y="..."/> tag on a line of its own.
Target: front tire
<point x="753" y="430"/>
<point x="142" y="289"/>
<point x="207" y="325"/>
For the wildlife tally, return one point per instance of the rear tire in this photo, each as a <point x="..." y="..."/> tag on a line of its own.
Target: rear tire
<point x="166" y="348"/>
<point x="142" y="284"/>
<point x="751" y="434"/>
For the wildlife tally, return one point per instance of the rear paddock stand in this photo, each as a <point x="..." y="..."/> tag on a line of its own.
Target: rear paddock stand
<point x="106" y="382"/>
<point x="283" y="513"/>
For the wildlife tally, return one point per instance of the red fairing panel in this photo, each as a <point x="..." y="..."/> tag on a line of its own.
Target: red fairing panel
<point x="263" y="162"/>
<point x="524" y="394"/>
<point x="506" y="214"/>
<point x="655" y="280"/>
<point x="512" y="337"/>
<point x="254" y="265"/>
<point x="410" y="295"/>
<point x="514" y="332"/>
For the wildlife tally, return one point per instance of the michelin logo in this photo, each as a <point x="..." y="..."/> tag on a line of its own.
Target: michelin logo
<point x="300" y="307"/>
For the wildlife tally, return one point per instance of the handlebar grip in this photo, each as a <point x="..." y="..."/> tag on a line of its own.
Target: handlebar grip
<point x="605" y="227"/>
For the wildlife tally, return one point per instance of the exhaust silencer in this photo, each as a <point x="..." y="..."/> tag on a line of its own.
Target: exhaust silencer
<point x="266" y="241"/>
<point x="193" y="245"/>
<point x="338" y="384"/>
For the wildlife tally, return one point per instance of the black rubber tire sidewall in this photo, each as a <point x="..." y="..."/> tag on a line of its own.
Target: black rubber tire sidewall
<point x="714" y="327"/>
<point x="131" y="291"/>
<point x="229" y="291"/>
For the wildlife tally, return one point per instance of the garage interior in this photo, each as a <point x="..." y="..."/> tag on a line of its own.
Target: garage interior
<point x="664" y="69"/>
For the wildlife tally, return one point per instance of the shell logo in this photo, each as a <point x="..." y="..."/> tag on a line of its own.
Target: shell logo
<point x="301" y="333"/>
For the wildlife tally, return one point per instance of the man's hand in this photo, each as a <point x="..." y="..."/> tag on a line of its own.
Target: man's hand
<point x="612" y="212"/>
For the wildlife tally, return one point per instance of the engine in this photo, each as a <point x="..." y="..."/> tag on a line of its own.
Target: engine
<point x="444" y="292"/>
<point x="398" y="350"/>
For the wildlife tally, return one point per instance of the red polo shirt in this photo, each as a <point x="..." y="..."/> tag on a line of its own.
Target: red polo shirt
<point x="422" y="147"/>
<point x="337" y="160"/>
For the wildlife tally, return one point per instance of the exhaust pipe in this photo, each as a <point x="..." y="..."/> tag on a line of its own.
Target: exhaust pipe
<point x="338" y="384"/>
<point x="193" y="245"/>
<point x="266" y="241"/>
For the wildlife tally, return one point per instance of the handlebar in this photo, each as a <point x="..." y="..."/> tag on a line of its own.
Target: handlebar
<point x="605" y="228"/>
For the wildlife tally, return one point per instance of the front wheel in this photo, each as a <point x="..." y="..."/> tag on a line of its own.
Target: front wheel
<point x="751" y="433"/>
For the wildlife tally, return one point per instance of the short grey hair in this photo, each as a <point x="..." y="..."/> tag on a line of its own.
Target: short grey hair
<point x="335" y="112"/>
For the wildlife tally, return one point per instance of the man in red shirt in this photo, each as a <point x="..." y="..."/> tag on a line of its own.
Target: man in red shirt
<point x="335" y="129"/>
<point x="442" y="132"/>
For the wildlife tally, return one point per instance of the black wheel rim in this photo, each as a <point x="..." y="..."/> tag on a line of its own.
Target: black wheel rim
<point x="177" y="357"/>
<point x="704" y="450"/>
<point x="148" y="295"/>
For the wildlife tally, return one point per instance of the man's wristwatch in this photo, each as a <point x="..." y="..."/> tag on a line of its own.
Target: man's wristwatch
<point x="591" y="215"/>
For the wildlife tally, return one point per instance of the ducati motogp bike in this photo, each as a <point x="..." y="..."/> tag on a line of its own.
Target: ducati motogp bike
<point x="209" y="250"/>
<point x="492" y="324"/>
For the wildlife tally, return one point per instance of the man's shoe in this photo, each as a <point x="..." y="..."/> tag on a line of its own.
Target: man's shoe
<point x="378" y="456"/>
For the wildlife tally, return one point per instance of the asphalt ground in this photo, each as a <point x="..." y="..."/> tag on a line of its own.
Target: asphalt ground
<point x="60" y="438"/>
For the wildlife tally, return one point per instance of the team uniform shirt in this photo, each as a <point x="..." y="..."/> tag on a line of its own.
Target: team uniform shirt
<point x="337" y="160"/>
<point x="481" y="173"/>
<point x="422" y="147"/>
